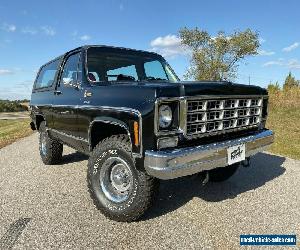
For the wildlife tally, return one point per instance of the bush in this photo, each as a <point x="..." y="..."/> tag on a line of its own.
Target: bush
<point x="12" y="106"/>
<point x="288" y="97"/>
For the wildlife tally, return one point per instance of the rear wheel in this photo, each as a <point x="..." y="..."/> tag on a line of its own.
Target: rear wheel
<point x="119" y="190"/>
<point x="50" y="150"/>
<point x="223" y="173"/>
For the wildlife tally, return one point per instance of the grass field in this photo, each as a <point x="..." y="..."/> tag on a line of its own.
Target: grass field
<point x="284" y="119"/>
<point x="286" y="124"/>
<point x="12" y="130"/>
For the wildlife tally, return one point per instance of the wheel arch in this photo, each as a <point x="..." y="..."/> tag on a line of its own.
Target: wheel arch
<point x="104" y="126"/>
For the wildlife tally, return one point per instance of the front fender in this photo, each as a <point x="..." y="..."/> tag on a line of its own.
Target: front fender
<point x="126" y="124"/>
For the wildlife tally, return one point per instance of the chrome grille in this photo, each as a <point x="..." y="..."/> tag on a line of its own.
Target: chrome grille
<point x="216" y="116"/>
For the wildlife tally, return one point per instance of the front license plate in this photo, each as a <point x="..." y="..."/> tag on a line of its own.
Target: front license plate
<point x="236" y="154"/>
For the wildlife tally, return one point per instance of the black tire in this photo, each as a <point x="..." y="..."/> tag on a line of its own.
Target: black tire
<point x="141" y="188"/>
<point x="223" y="173"/>
<point x="50" y="150"/>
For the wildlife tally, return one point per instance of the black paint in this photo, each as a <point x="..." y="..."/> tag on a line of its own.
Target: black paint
<point x="72" y="112"/>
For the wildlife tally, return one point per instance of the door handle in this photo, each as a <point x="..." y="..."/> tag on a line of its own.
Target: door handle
<point x="57" y="92"/>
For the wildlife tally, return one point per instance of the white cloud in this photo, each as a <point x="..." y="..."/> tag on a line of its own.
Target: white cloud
<point x="8" y="27"/>
<point x="270" y="63"/>
<point x="6" y="72"/>
<point x="29" y="30"/>
<point x="85" y="38"/>
<point x="291" y="47"/>
<point x="49" y="31"/>
<point x="291" y="63"/>
<point x="166" y="41"/>
<point x="265" y="53"/>
<point x="121" y="7"/>
<point x="168" y="46"/>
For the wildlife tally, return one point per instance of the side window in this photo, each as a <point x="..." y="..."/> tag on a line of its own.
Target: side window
<point x="70" y="72"/>
<point x="154" y="69"/>
<point x="127" y="73"/>
<point x="47" y="74"/>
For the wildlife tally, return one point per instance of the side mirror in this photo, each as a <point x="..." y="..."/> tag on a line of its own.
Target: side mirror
<point x="68" y="82"/>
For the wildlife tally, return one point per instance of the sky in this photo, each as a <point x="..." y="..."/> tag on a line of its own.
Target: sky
<point x="34" y="32"/>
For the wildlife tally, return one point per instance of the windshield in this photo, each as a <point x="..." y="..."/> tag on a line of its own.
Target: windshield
<point x="113" y="64"/>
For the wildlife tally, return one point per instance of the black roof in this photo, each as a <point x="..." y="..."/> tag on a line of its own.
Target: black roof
<point x="84" y="47"/>
<point x="111" y="47"/>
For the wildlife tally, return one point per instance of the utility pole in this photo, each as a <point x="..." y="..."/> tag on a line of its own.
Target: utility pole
<point x="249" y="80"/>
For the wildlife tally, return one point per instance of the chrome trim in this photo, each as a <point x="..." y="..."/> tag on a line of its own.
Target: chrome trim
<point x="182" y="116"/>
<point x="167" y="100"/>
<point x="224" y="96"/>
<point x="67" y="135"/>
<point x="116" y="185"/>
<point x="199" y="128"/>
<point x="179" y="162"/>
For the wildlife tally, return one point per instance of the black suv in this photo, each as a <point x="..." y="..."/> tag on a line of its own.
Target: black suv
<point x="139" y="123"/>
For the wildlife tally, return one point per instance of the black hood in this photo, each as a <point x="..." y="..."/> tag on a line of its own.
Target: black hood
<point x="221" y="88"/>
<point x="195" y="88"/>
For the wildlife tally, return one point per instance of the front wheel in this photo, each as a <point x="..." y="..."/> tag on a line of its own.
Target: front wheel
<point x="118" y="189"/>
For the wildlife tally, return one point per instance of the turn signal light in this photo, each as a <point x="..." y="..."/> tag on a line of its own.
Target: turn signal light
<point x="136" y="133"/>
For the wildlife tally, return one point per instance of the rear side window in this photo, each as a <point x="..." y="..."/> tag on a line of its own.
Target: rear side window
<point x="47" y="75"/>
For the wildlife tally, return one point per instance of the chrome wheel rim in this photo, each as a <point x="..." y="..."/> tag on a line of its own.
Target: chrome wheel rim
<point x="116" y="179"/>
<point x="43" y="144"/>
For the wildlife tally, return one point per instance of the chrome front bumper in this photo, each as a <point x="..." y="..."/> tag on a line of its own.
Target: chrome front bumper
<point x="170" y="164"/>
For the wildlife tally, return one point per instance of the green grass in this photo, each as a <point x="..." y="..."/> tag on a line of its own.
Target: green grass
<point x="285" y="122"/>
<point x="12" y="130"/>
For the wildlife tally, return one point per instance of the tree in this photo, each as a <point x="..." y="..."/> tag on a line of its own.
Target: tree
<point x="273" y="87"/>
<point x="290" y="82"/>
<point x="217" y="58"/>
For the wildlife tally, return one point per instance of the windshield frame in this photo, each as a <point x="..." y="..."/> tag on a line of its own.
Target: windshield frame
<point x="155" y="56"/>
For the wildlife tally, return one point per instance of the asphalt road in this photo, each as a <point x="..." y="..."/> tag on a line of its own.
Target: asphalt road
<point x="46" y="207"/>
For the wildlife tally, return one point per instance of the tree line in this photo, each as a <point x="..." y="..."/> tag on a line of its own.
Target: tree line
<point x="13" y="106"/>
<point x="290" y="83"/>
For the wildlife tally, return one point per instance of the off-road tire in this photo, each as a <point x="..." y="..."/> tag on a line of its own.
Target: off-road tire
<point x="52" y="152"/>
<point x="143" y="188"/>
<point x="223" y="173"/>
